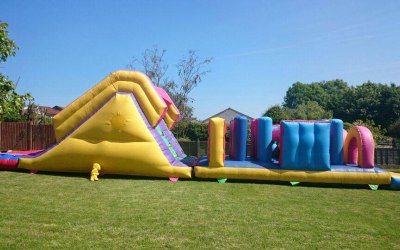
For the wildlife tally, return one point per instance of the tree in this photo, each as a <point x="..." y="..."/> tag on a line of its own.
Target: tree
<point x="311" y="111"/>
<point x="11" y="103"/>
<point x="394" y="129"/>
<point x="335" y="91"/>
<point x="197" y="131"/>
<point x="389" y="105"/>
<point x="371" y="101"/>
<point x="306" y="111"/>
<point x="377" y="131"/>
<point x="7" y="46"/>
<point x="278" y="113"/>
<point x="190" y="72"/>
<point x="191" y="131"/>
<point x="153" y="65"/>
<point x="301" y="93"/>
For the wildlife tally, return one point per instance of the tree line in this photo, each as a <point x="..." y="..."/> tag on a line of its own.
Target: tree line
<point x="375" y="105"/>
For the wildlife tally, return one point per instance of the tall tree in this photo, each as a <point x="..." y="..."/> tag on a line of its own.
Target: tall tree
<point x="302" y="93"/>
<point x="379" y="103"/>
<point x="278" y="113"/>
<point x="153" y="64"/>
<point x="190" y="72"/>
<point x="11" y="103"/>
<point x="389" y="105"/>
<point x="305" y="111"/>
<point x="335" y="91"/>
<point x="328" y="94"/>
<point x="311" y="111"/>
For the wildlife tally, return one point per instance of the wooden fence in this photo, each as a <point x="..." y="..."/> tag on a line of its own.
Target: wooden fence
<point x="25" y="136"/>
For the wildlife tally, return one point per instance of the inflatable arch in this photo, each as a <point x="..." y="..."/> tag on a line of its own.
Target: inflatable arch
<point x="359" y="147"/>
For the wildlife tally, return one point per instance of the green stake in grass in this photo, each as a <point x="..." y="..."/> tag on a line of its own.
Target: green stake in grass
<point x="294" y="183"/>
<point x="373" y="186"/>
<point x="222" y="180"/>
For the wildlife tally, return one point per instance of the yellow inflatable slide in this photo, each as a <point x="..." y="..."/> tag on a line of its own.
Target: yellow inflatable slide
<point x="114" y="125"/>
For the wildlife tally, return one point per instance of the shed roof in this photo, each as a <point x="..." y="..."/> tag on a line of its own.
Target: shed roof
<point x="228" y="114"/>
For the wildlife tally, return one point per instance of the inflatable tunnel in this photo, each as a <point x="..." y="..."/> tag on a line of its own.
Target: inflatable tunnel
<point x="359" y="147"/>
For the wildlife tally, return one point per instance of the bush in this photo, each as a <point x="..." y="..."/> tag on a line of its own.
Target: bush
<point x="394" y="129"/>
<point x="192" y="131"/>
<point x="376" y="130"/>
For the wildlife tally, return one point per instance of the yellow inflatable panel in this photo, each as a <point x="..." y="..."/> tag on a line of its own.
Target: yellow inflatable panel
<point x="216" y="141"/>
<point x="289" y="175"/>
<point x="116" y="136"/>
<point x="134" y="82"/>
<point x="393" y="174"/>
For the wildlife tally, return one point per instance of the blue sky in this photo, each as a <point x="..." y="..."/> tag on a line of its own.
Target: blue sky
<point x="260" y="48"/>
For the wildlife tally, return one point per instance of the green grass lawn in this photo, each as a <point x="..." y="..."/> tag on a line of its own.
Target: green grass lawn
<point x="68" y="211"/>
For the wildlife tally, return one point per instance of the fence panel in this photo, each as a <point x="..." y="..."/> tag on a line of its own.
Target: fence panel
<point x="43" y="136"/>
<point x="25" y="136"/>
<point x="387" y="156"/>
<point x="14" y="135"/>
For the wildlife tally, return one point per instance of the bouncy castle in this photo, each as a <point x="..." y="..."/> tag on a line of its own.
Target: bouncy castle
<point x="123" y="126"/>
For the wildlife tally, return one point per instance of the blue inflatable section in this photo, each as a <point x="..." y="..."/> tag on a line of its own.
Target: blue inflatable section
<point x="6" y="156"/>
<point x="336" y="143"/>
<point x="307" y="146"/>
<point x="264" y="139"/>
<point x="240" y="138"/>
<point x="395" y="184"/>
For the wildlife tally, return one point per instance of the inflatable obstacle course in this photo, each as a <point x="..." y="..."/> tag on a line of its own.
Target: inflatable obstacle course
<point x="123" y="126"/>
<point x="310" y="151"/>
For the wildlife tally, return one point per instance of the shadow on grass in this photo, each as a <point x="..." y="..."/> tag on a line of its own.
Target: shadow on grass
<point x="301" y="184"/>
<point x="101" y="176"/>
<point x="196" y="179"/>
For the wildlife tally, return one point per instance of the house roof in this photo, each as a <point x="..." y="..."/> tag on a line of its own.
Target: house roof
<point x="228" y="114"/>
<point x="50" y="111"/>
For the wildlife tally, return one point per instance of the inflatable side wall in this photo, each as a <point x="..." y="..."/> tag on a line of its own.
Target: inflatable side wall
<point x="305" y="145"/>
<point x="336" y="142"/>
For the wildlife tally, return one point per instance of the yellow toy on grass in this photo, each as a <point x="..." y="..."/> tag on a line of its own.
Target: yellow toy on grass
<point x="95" y="172"/>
